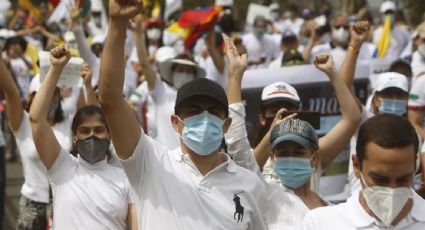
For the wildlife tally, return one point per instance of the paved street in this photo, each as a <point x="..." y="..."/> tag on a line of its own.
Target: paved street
<point x="14" y="182"/>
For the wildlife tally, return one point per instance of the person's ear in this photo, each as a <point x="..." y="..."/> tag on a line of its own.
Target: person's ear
<point x="175" y="122"/>
<point x="376" y="102"/>
<point x="356" y="166"/>
<point x="74" y="139"/>
<point x="227" y="124"/>
<point x="262" y="119"/>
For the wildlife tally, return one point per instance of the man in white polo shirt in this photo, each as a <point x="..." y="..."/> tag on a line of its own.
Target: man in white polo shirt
<point x="385" y="163"/>
<point x="193" y="186"/>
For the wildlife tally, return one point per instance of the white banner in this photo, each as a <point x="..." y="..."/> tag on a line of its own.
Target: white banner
<point x="70" y="76"/>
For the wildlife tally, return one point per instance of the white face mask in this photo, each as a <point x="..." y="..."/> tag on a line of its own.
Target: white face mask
<point x="154" y="34"/>
<point x="386" y="203"/>
<point x="180" y="79"/>
<point x="421" y="49"/>
<point x="340" y="35"/>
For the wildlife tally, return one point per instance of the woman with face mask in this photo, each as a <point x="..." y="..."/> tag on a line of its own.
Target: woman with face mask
<point x="90" y="190"/>
<point x="35" y="190"/>
<point x="294" y="145"/>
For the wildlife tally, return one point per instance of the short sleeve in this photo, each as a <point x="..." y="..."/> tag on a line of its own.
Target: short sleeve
<point x="24" y="130"/>
<point x="144" y="159"/>
<point x="63" y="167"/>
<point x="417" y="95"/>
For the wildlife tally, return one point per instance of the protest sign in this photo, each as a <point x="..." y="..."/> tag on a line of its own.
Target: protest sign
<point x="70" y="76"/>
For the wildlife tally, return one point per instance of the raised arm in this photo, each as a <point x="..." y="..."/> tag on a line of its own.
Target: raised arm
<point x="358" y="35"/>
<point x="80" y="38"/>
<point x="14" y="109"/>
<point x="339" y="136"/>
<point x="215" y="53"/>
<point x="89" y="98"/>
<point x="142" y="53"/>
<point x="123" y="126"/>
<point x="44" y="139"/>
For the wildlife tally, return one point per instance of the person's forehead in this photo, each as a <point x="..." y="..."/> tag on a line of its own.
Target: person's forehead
<point x="400" y="160"/>
<point x="392" y="91"/>
<point x="91" y="122"/>
<point x="279" y="105"/>
<point x="341" y="20"/>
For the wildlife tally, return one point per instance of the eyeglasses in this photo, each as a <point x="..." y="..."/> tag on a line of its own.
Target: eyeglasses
<point x="346" y="27"/>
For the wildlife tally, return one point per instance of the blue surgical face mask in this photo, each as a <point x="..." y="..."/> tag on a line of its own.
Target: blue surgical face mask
<point x="203" y="133"/>
<point x="391" y="106"/>
<point x="293" y="171"/>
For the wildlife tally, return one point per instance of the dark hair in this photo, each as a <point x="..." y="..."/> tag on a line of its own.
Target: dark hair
<point x="401" y="63"/>
<point x="81" y="115"/>
<point x="17" y="40"/>
<point x="59" y="117"/>
<point x="387" y="131"/>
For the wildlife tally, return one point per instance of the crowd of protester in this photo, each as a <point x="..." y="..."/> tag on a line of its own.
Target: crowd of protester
<point x="155" y="136"/>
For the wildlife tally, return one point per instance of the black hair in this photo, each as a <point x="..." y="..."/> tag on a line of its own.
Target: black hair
<point x="387" y="131"/>
<point x="81" y="115"/>
<point x="59" y="117"/>
<point x="16" y="40"/>
<point x="401" y="63"/>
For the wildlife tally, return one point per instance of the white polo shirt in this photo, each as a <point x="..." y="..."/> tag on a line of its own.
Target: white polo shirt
<point x="351" y="215"/>
<point x="89" y="196"/>
<point x="175" y="195"/>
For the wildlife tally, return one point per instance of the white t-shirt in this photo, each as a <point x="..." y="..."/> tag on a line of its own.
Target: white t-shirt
<point x="164" y="97"/>
<point x="22" y="73"/>
<point x="418" y="65"/>
<point x="264" y="49"/>
<point x="89" y="196"/>
<point x="175" y="195"/>
<point x="36" y="185"/>
<point x="417" y="95"/>
<point x="399" y="39"/>
<point x="292" y="25"/>
<point x="351" y="215"/>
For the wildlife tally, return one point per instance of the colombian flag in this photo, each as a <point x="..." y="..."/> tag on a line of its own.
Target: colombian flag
<point x="384" y="40"/>
<point x="28" y="5"/>
<point x="195" y="22"/>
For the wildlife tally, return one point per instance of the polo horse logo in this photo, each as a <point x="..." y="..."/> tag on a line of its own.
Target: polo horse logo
<point x="239" y="209"/>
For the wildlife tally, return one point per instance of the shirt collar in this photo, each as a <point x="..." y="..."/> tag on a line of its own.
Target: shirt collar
<point x="418" y="209"/>
<point x="96" y="165"/>
<point x="362" y="219"/>
<point x="179" y="156"/>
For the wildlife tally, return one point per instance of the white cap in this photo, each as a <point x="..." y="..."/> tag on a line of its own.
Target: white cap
<point x="224" y="2"/>
<point x="164" y="53"/>
<point x="35" y="84"/>
<point x="391" y="80"/>
<point x="388" y="5"/>
<point x="166" y="72"/>
<point x="279" y="91"/>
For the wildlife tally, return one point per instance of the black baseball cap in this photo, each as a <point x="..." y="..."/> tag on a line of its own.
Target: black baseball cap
<point x="202" y="87"/>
